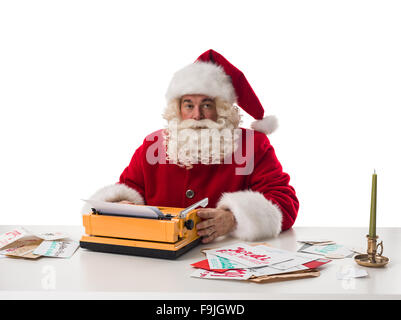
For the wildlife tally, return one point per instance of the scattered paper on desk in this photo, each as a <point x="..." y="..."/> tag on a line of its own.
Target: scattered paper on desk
<point x="357" y="250"/>
<point x="238" y="262"/>
<point x="58" y="249"/>
<point x="235" y="274"/>
<point x="268" y="271"/>
<point x="321" y="243"/>
<point x="296" y="261"/>
<point x="250" y="256"/>
<point x="216" y="262"/>
<point x="51" y="235"/>
<point x="317" y="241"/>
<point x="204" y="264"/>
<point x="18" y="244"/>
<point x="24" y="243"/>
<point x="349" y="272"/>
<point x="264" y="271"/>
<point x="25" y="250"/>
<point x="331" y="250"/>
<point x="316" y="263"/>
<point x="13" y="235"/>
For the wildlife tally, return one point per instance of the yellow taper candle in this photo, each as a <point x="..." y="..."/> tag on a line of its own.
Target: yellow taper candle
<point x="372" y="225"/>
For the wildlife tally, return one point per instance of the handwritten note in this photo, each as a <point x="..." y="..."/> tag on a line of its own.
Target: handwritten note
<point x="58" y="249"/>
<point x="249" y="256"/>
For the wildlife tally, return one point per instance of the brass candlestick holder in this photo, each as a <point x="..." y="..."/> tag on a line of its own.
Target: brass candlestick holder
<point x="372" y="258"/>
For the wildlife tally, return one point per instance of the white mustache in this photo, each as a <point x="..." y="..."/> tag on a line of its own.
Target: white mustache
<point x="200" y="124"/>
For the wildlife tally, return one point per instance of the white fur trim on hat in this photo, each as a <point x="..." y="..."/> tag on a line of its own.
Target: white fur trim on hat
<point x="256" y="217"/>
<point x="267" y="125"/>
<point x="114" y="193"/>
<point x="204" y="78"/>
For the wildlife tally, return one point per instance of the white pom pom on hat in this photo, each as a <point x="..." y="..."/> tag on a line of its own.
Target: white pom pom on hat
<point x="267" y="125"/>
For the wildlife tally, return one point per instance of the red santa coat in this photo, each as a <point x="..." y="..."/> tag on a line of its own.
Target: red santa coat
<point x="256" y="190"/>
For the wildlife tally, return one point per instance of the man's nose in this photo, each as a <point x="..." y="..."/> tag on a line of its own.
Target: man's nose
<point x="197" y="113"/>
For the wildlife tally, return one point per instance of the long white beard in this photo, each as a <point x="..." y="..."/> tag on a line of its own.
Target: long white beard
<point x="204" y="141"/>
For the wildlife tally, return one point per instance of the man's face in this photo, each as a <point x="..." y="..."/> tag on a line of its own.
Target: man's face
<point x="198" y="107"/>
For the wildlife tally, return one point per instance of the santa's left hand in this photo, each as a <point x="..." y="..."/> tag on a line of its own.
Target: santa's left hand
<point x="216" y="223"/>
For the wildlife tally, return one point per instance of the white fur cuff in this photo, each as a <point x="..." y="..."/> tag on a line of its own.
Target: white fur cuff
<point x="256" y="217"/>
<point x="114" y="193"/>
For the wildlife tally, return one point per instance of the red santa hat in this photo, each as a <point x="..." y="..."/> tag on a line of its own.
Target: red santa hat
<point x="213" y="75"/>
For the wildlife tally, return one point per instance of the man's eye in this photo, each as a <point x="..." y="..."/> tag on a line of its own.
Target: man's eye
<point x="207" y="106"/>
<point x="189" y="106"/>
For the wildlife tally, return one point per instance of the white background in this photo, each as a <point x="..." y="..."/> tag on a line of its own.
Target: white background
<point x="83" y="82"/>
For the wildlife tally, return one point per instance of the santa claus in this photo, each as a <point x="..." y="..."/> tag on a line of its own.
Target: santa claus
<point x="203" y="152"/>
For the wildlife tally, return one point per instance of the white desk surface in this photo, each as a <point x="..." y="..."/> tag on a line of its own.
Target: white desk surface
<point x="94" y="275"/>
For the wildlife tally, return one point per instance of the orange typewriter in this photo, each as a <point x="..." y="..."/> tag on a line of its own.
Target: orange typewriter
<point x="159" y="232"/>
